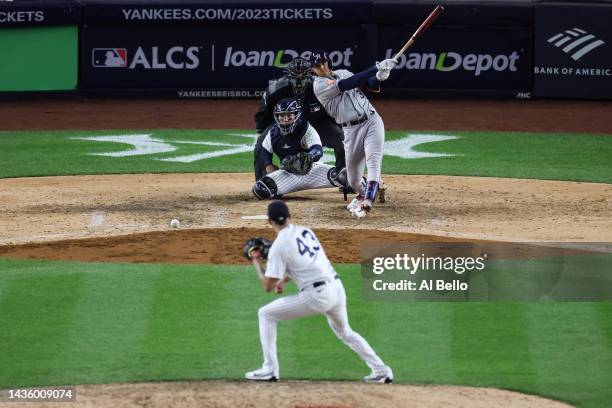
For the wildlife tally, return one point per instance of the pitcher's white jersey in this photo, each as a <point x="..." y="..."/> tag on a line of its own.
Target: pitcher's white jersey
<point x="345" y="106"/>
<point x="297" y="252"/>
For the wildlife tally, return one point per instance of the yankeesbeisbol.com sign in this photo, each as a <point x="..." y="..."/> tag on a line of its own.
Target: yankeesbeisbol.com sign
<point x="461" y="58"/>
<point x="573" y="52"/>
<point x="201" y="58"/>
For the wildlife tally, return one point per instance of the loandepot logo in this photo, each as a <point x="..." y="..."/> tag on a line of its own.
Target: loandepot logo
<point x="146" y="144"/>
<point x="280" y="58"/>
<point x="177" y="57"/>
<point x="452" y="61"/>
<point x="576" y="42"/>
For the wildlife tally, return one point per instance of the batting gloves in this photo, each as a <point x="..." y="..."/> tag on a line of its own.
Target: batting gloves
<point x="386" y="65"/>
<point x="383" y="75"/>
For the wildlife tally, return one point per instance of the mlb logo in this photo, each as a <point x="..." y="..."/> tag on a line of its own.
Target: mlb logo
<point x="109" y="57"/>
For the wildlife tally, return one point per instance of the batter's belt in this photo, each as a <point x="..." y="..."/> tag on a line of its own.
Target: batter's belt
<point x="357" y="121"/>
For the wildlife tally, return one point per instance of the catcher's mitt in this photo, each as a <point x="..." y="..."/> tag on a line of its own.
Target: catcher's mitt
<point x="299" y="164"/>
<point x="256" y="244"/>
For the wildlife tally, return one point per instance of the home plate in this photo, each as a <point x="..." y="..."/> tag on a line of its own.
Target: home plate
<point x="254" y="217"/>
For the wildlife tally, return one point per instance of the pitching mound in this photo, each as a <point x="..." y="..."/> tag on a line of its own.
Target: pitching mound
<point x="297" y="394"/>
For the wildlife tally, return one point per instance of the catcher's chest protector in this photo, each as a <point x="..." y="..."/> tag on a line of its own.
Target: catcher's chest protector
<point x="289" y="145"/>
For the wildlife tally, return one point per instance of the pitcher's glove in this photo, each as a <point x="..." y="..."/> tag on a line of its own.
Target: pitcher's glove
<point x="299" y="164"/>
<point x="256" y="244"/>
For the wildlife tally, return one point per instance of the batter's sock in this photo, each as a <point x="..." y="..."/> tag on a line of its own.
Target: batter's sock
<point x="371" y="191"/>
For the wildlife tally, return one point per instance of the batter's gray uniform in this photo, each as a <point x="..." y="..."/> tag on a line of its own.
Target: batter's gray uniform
<point x="364" y="131"/>
<point x="286" y="182"/>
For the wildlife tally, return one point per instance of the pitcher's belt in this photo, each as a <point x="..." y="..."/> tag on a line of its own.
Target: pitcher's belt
<point x="318" y="283"/>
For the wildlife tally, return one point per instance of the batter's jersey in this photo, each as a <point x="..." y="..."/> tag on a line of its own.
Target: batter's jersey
<point x="345" y="106"/>
<point x="301" y="140"/>
<point x="297" y="253"/>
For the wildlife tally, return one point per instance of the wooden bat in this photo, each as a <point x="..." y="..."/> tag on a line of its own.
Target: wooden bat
<point x="428" y="21"/>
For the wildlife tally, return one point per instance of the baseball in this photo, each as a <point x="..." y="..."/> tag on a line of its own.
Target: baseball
<point x="175" y="223"/>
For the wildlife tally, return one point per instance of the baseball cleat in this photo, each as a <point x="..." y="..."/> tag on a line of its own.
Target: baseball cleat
<point x="382" y="193"/>
<point x="261" y="375"/>
<point x="362" y="210"/>
<point x="355" y="203"/>
<point x="381" y="377"/>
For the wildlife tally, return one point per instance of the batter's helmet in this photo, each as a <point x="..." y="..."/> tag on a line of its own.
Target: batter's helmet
<point x="318" y="57"/>
<point x="298" y="74"/>
<point x="288" y="115"/>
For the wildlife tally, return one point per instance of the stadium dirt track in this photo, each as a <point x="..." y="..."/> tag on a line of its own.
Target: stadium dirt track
<point x="579" y="211"/>
<point x="532" y="116"/>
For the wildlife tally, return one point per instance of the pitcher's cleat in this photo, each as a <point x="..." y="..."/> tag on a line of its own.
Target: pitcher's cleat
<point x="382" y="377"/>
<point x="260" y="375"/>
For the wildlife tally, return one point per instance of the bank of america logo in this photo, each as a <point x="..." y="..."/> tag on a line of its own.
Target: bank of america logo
<point x="576" y="42"/>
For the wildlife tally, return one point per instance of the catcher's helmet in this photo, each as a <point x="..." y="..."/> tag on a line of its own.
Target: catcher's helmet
<point x="298" y="74"/>
<point x="318" y="57"/>
<point x="288" y="115"/>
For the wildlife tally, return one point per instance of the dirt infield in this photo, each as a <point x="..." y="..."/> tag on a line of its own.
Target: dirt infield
<point x="125" y="218"/>
<point x="55" y="208"/>
<point x="296" y="394"/>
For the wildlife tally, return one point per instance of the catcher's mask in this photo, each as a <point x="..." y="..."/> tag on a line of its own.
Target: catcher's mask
<point x="298" y="74"/>
<point x="288" y="115"/>
<point x="319" y="57"/>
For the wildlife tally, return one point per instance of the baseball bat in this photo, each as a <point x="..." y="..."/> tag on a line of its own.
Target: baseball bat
<point x="428" y="21"/>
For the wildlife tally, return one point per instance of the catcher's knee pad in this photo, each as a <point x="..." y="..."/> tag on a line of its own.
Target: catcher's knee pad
<point x="337" y="177"/>
<point x="265" y="188"/>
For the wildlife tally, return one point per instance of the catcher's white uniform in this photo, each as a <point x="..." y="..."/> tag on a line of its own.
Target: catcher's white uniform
<point x="297" y="253"/>
<point x="287" y="182"/>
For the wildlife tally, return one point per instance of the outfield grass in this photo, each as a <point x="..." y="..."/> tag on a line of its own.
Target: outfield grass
<point x="74" y="323"/>
<point x="578" y="157"/>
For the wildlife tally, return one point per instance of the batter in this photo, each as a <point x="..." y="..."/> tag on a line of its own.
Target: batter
<point x="364" y="131"/>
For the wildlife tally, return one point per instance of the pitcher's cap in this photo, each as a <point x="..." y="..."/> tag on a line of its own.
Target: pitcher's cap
<point x="278" y="212"/>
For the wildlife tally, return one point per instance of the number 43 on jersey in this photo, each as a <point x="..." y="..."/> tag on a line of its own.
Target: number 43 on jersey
<point x="306" y="246"/>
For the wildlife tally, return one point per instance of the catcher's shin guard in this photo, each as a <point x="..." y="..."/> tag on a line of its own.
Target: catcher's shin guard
<point x="337" y="177"/>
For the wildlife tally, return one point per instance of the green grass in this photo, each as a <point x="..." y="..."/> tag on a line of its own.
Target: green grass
<point x="578" y="157"/>
<point x="575" y="157"/>
<point x="73" y="323"/>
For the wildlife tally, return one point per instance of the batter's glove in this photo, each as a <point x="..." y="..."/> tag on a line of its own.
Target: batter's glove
<point x="299" y="164"/>
<point x="256" y="244"/>
<point x="382" y="75"/>
<point x="386" y="65"/>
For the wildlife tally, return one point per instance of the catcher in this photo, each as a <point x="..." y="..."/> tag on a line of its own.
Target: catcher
<point x="296" y="83"/>
<point x="298" y="146"/>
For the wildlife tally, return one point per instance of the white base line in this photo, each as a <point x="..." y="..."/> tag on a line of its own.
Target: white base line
<point x="254" y="217"/>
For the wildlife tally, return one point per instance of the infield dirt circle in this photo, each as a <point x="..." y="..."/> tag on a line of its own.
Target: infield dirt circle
<point x="126" y="218"/>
